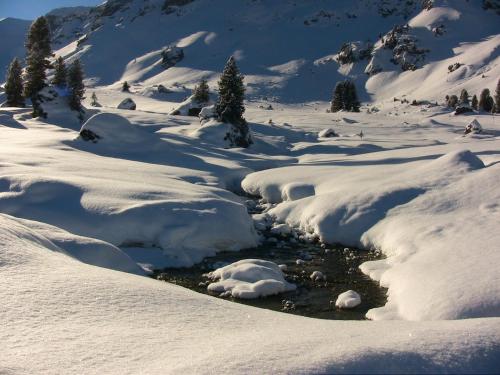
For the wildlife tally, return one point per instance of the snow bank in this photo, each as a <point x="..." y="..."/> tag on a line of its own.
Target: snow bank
<point x="348" y="300"/>
<point x="86" y="250"/>
<point x="407" y="209"/>
<point x="249" y="278"/>
<point x="86" y="319"/>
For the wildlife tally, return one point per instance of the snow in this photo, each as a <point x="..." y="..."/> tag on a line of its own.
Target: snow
<point x="317" y="276"/>
<point x="249" y="278"/>
<point x="81" y="222"/>
<point x="348" y="300"/>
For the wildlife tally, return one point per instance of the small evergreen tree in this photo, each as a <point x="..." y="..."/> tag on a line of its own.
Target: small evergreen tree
<point x="75" y="86"/>
<point x="14" y="84"/>
<point x="345" y="97"/>
<point x="351" y="97"/>
<point x="229" y="107"/>
<point x="125" y="87"/>
<point x="94" y="102"/>
<point x="60" y="73"/>
<point x="338" y="97"/>
<point x="453" y="101"/>
<point x="201" y="92"/>
<point x="38" y="51"/>
<point x="497" y="97"/>
<point x="486" y="101"/>
<point x="464" y="98"/>
<point x="475" y="102"/>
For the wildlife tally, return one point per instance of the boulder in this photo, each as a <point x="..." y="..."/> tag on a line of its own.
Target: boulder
<point x="474" y="127"/>
<point x="127" y="104"/>
<point x="171" y="56"/>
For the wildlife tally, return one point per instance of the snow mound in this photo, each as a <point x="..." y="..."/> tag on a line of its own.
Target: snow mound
<point x="85" y="249"/>
<point x="250" y="278"/>
<point x="127" y="104"/>
<point x="296" y="190"/>
<point x="348" y="300"/>
<point x="189" y="107"/>
<point x="110" y="128"/>
<point x="213" y="132"/>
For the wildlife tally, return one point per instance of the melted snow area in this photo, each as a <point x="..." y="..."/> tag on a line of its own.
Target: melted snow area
<point x="85" y="216"/>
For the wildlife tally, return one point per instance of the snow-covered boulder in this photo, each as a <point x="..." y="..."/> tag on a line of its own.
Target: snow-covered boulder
<point x="327" y="133"/>
<point x="464" y="108"/>
<point x="127" y="103"/>
<point x="473" y="127"/>
<point x="171" y="56"/>
<point x="113" y="129"/>
<point x="189" y="107"/>
<point x="249" y="278"/>
<point x="317" y="276"/>
<point x="348" y="300"/>
<point x="207" y="113"/>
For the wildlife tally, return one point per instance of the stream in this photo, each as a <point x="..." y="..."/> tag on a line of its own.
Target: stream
<point x="302" y="255"/>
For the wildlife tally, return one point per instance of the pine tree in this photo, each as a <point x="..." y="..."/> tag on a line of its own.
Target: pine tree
<point x="351" y="97"/>
<point x="453" y="101"/>
<point x="497" y="97"/>
<point x="201" y="92"/>
<point x="475" y="102"/>
<point x="345" y="97"/>
<point x="75" y="86"/>
<point x="229" y="107"/>
<point x="486" y="101"/>
<point x="94" y="102"/>
<point x="338" y="97"/>
<point x="14" y="84"/>
<point x="38" y="51"/>
<point x="60" y="73"/>
<point x="125" y="87"/>
<point x="464" y="98"/>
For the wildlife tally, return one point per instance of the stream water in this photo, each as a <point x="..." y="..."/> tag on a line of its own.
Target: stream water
<point x="302" y="257"/>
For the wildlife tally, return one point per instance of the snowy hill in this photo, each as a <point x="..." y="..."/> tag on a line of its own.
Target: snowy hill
<point x="286" y="49"/>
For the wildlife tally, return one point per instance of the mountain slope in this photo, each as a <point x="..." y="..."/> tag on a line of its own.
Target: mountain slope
<point x="13" y="32"/>
<point x="286" y="49"/>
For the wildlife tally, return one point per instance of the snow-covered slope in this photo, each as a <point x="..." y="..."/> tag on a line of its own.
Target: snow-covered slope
<point x="62" y="316"/>
<point x="286" y="49"/>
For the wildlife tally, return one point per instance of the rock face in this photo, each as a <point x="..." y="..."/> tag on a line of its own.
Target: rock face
<point x="127" y="104"/>
<point x="171" y="56"/>
<point x="474" y="127"/>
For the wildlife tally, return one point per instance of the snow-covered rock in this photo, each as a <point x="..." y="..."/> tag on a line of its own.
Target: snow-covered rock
<point x="127" y="103"/>
<point x="473" y="127"/>
<point x="317" y="276"/>
<point x="327" y="133"/>
<point x="348" y="300"/>
<point x="249" y="278"/>
<point x="207" y="113"/>
<point x="171" y="56"/>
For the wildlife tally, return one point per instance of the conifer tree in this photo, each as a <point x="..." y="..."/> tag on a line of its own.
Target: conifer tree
<point x="60" y="73"/>
<point x="486" y="101"/>
<point x="453" y="101"/>
<point x="497" y="97"/>
<point x="229" y="107"/>
<point x="14" y="84"/>
<point x="464" y="97"/>
<point x="75" y="86"/>
<point x="351" y="101"/>
<point x="201" y="92"/>
<point x="338" y="97"/>
<point x="94" y="102"/>
<point x="125" y="87"/>
<point x="475" y="102"/>
<point x="38" y="51"/>
<point x="345" y="97"/>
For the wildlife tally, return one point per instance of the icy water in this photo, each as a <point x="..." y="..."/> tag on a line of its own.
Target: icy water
<point x="311" y="298"/>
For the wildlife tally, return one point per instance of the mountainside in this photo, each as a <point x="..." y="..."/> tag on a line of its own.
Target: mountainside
<point x="287" y="49"/>
<point x="13" y="32"/>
